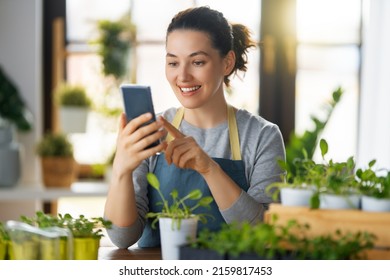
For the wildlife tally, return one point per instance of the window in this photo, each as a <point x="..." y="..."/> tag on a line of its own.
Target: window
<point x="328" y="56"/>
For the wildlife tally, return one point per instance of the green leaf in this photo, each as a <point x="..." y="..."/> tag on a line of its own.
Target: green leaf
<point x="205" y="201"/>
<point x="323" y="147"/>
<point x="153" y="181"/>
<point x="195" y="194"/>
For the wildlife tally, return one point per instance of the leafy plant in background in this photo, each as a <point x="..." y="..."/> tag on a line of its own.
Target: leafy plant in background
<point x="54" y="145"/>
<point x="371" y="184"/>
<point x="72" y="95"/>
<point x="115" y="40"/>
<point x="303" y="146"/>
<point x="177" y="210"/>
<point x="12" y="107"/>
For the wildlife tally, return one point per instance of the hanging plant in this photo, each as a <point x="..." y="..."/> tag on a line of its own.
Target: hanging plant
<point x="115" y="40"/>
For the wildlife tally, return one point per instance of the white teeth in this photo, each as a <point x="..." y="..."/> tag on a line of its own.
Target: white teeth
<point x="190" y="89"/>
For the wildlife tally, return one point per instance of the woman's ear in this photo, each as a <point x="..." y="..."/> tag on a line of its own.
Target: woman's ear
<point x="230" y="61"/>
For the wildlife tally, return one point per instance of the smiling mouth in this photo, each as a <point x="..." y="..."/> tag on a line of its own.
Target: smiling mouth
<point x="189" y="89"/>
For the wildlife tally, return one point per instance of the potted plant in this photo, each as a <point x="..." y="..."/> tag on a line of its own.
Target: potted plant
<point x="4" y="241"/>
<point x="375" y="189"/>
<point x="86" y="233"/>
<point x="57" y="162"/>
<point x="13" y="115"/>
<point x="338" y="189"/>
<point x="74" y="107"/>
<point x="298" y="188"/>
<point x="177" y="222"/>
<point x="59" y="248"/>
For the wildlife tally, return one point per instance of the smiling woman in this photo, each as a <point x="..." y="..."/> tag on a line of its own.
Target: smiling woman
<point x="203" y="50"/>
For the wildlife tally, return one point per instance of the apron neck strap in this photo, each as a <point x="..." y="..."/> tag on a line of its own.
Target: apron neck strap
<point x="233" y="130"/>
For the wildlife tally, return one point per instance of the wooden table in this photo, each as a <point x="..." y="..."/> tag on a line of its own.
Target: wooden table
<point x="132" y="253"/>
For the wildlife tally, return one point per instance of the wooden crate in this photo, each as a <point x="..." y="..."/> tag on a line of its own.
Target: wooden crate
<point x="328" y="221"/>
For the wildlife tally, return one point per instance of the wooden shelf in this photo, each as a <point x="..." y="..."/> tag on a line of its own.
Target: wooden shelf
<point x="328" y="221"/>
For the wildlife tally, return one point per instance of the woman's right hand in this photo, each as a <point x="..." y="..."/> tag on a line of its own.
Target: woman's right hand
<point x="132" y="141"/>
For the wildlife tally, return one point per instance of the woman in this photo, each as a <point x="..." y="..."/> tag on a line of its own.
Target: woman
<point x="226" y="152"/>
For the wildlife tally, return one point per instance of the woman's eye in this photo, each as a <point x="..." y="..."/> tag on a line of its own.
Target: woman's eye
<point x="172" y="64"/>
<point x="199" y="63"/>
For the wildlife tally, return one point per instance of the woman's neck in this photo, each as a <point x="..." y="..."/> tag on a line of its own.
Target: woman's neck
<point x="207" y="116"/>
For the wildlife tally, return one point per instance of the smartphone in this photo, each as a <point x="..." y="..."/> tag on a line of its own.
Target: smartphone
<point x="137" y="100"/>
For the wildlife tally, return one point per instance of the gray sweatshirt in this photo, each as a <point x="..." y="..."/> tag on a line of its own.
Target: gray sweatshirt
<point x="261" y="145"/>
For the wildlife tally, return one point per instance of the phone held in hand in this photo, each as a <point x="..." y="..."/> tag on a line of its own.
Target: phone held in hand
<point x="137" y="100"/>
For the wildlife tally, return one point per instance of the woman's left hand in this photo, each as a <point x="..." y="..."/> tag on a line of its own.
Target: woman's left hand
<point x="184" y="152"/>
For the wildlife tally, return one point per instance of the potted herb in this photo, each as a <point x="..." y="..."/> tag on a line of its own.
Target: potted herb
<point x="74" y="107"/>
<point x="4" y="241"/>
<point x="338" y="189"/>
<point x="375" y="189"/>
<point x="13" y="115"/>
<point x="57" y="162"/>
<point x="298" y="189"/>
<point x="59" y="248"/>
<point x="24" y="241"/>
<point x="86" y="233"/>
<point x="177" y="222"/>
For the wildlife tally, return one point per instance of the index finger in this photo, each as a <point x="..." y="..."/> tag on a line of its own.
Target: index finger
<point x="173" y="132"/>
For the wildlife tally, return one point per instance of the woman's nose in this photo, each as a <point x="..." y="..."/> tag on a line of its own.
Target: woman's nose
<point x="184" y="74"/>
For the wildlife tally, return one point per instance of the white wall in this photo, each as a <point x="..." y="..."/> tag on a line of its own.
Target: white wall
<point x="21" y="59"/>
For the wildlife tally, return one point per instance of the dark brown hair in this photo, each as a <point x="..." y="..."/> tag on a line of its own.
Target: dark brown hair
<point x="223" y="35"/>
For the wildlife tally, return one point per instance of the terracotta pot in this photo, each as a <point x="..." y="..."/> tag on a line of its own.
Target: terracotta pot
<point x="58" y="171"/>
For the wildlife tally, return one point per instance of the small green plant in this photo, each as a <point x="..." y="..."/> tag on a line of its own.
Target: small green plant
<point x="73" y="95"/>
<point x="291" y="241"/>
<point x="42" y="220"/>
<point x="83" y="227"/>
<point x="177" y="210"/>
<point x="371" y="184"/>
<point x="303" y="146"/>
<point x="336" y="246"/>
<point x="54" y="145"/>
<point x="339" y="177"/>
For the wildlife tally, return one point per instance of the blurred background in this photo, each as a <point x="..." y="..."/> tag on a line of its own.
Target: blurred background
<point x="306" y="50"/>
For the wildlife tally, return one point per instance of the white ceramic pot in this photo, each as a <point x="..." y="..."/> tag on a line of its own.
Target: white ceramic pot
<point x="172" y="237"/>
<point x="73" y="119"/>
<point x="372" y="204"/>
<point x="332" y="201"/>
<point x="295" y="197"/>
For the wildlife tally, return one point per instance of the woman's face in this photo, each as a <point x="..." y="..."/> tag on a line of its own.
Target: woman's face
<point x="194" y="69"/>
